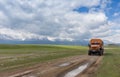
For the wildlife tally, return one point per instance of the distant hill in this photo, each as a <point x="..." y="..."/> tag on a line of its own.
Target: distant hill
<point x="113" y="44"/>
<point x="44" y="42"/>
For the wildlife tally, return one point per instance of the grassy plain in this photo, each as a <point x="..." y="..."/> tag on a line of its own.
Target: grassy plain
<point x="110" y="65"/>
<point x="17" y="56"/>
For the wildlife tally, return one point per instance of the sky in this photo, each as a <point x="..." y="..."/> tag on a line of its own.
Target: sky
<point x="60" y="20"/>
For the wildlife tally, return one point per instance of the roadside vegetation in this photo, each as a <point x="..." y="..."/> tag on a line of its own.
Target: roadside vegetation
<point x="17" y="56"/>
<point x="110" y="66"/>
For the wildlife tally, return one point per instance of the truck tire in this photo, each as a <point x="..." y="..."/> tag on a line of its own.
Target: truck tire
<point x="100" y="53"/>
<point x="103" y="52"/>
<point x="89" y="52"/>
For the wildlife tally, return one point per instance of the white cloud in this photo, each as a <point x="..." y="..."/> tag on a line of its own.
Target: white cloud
<point x="114" y="33"/>
<point x="116" y="14"/>
<point x="3" y="19"/>
<point x="17" y="34"/>
<point x="114" y="38"/>
<point x="52" y="20"/>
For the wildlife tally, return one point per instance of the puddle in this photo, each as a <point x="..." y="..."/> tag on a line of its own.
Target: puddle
<point x="64" y="64"/>
<point x="76" y="71"/>
<point x="29" y="76"/>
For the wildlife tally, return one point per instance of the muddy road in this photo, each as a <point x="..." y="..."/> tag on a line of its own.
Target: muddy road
<point x="76" y="66"/>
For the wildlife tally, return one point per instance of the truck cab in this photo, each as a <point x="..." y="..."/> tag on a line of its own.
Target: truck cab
<point x="96" y="47"/>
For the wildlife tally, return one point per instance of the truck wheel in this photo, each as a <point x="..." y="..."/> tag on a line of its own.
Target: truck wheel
<point x="89" y="53"/>
<point x="100" y="53"/>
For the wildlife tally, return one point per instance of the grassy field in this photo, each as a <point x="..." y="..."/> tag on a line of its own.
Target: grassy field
<point x="110" y="66"/>
<point x="17" y="56"/>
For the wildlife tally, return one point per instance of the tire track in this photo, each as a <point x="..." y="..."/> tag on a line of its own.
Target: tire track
<point x="59" y="67"/>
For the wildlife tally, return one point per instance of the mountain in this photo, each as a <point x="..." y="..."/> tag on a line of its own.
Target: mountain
<point x="44" y="42"/>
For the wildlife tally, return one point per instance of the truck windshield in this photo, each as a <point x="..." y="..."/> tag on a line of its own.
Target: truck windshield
<point x="95" y="43"/>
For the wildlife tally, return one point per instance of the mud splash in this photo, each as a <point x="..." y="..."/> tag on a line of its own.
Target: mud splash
<point x="76" y="71"/>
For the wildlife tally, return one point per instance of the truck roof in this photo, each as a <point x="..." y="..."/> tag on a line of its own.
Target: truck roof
<point x="96" y="41"/>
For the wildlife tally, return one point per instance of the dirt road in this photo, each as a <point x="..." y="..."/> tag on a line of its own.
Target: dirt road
<point x="77" y="66"/>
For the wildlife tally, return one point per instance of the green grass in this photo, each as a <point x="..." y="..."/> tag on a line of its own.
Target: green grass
<point x="110" y="66"/>
<point x="17" y="56"/>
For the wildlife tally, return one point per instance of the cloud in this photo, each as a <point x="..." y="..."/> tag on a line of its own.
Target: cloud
<point x="3" y="18"/>
<point x="114" y="33"/>
<point x="17" y="34"/>
<point x="113" y="38"/>
<point x="52" y="20"/>
<point x="116" y="14"/>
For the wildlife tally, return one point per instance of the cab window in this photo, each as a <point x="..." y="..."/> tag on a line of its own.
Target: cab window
<point x="95" y="43"/>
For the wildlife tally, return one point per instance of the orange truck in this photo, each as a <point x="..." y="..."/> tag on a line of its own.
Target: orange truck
<point x="96" y="46"/>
